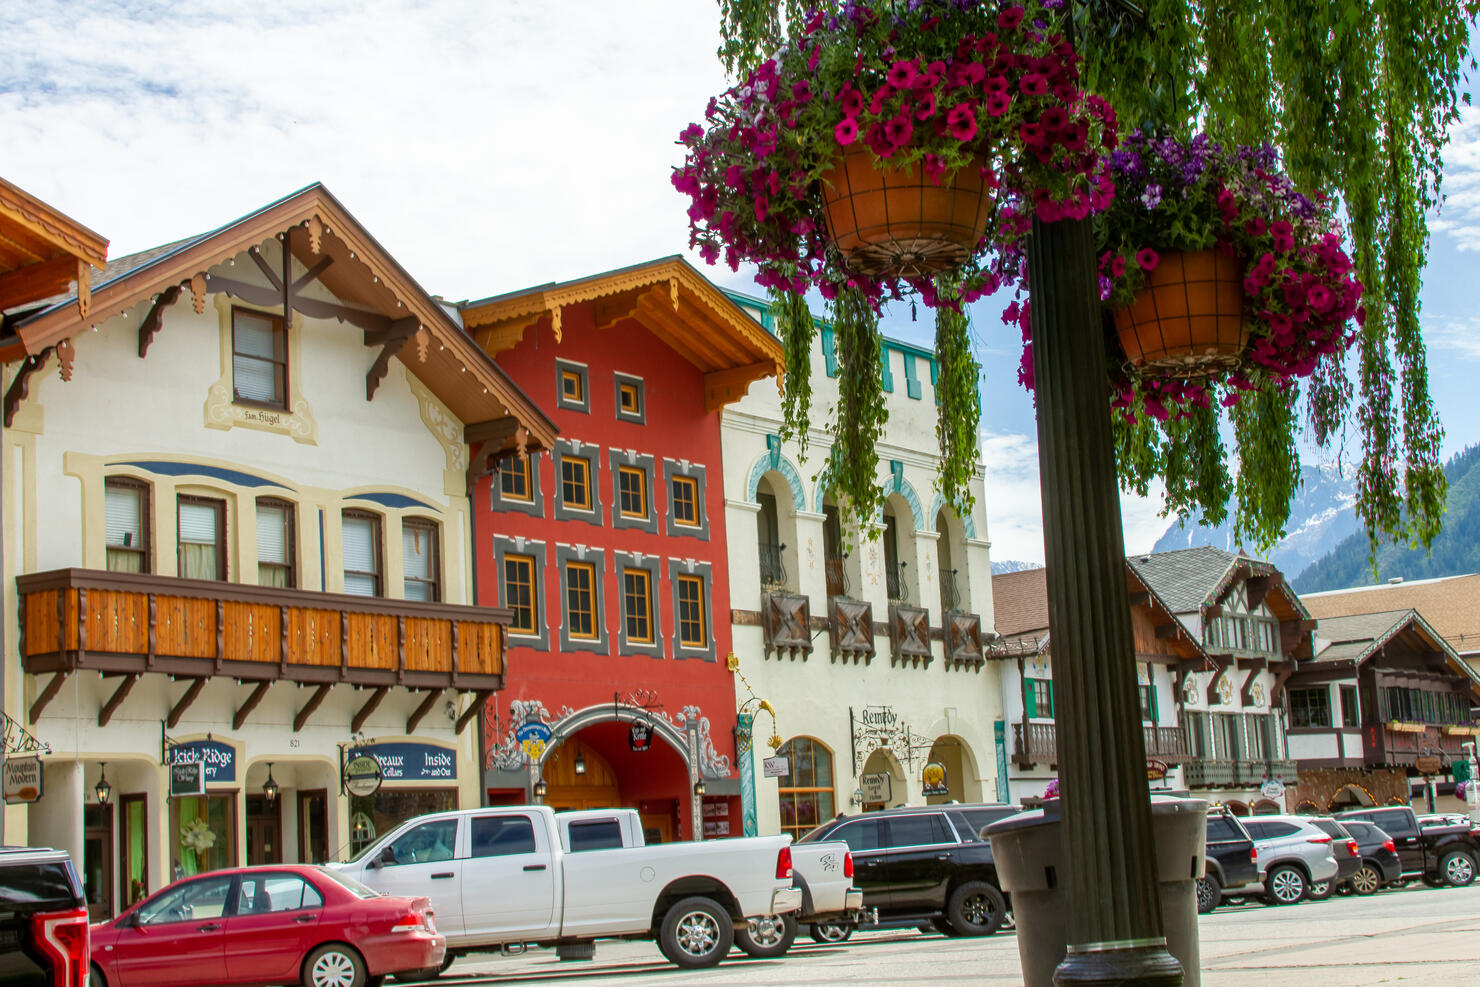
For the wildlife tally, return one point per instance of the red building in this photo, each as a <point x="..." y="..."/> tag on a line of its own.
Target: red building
<point x="610" y="548"/>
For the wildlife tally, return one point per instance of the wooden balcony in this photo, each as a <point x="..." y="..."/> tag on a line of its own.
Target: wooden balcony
<point x="1034" y="743"/>
<point x="1402" y="747"/>
<point x="1208" y="774"/>
<point x="125" y="624"/>
<point x="1167" y="744"/>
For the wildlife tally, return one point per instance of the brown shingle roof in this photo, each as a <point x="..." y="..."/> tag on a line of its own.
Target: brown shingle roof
<point x="1451" y="605"/>
<point x="1020" y="602"/>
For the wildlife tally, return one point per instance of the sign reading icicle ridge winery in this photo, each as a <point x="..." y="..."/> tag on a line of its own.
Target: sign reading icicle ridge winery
<point x="217" y="760"/>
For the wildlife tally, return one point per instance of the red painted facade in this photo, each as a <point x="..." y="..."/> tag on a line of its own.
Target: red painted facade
<point x="565" y="680"/>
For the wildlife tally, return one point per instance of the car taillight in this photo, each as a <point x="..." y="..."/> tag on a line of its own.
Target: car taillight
<point x="847" y="864"/>
<point x="1351" y="849"/>
<point x="1254" y="855"/>
<point x="1389" y="845"/>
<point x="783" y="864"/>
<point x="410" y="922"/>
<point x="1318" y="839"/>
<point x="63" y="936"/>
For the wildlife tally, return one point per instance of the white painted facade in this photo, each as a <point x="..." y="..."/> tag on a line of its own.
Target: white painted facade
<point x="912" y="708"/>
<point x="168" y="420"/>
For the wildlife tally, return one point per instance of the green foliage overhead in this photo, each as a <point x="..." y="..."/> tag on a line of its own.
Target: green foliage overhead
<point x="1358" y="97"/>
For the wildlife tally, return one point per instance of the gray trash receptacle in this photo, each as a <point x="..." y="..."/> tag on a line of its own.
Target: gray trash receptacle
<point x="1033" y="867"/>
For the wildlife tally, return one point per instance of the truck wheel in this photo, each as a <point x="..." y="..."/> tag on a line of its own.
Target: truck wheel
<point x="1458" y="868"/>
<point x="1284" y="885"/>
<point x="696" y="933"/>
<point x="766" y="938"/>
<point x="1366" y="880"/>
<point x="1209" y="894"/>
<point x="976" y="909"/>
<point x="826" y="932"/>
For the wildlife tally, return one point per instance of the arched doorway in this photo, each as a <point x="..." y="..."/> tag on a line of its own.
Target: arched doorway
<point x="1238" y="808"/>
<point x="1350" y="797"/>
<point x="579" y="778"/>
<point x="883" y="761"/>
<point x="653" y="780"/>
<point x="1265" y="807"/>
<point x="807" y="791"/>
<point x="960" y="783"/>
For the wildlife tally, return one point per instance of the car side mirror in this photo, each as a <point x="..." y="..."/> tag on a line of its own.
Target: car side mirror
<point x="387" y="855"/>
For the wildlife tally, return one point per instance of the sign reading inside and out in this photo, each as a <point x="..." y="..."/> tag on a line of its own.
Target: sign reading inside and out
<point x="368" y="767"/>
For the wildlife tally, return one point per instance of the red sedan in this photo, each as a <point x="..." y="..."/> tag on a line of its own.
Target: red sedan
<point x="275" y="924"/>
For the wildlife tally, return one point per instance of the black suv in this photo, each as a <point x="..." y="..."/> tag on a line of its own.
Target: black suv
<point x="1231" y="860"/>
<point x="1437" y="854"/>
<point x="924" y="864"/>
<point x="44" y="939"/>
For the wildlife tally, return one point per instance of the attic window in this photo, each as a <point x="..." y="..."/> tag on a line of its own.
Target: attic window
<point x="572" y="386"/>
<point x="259" y="359"/>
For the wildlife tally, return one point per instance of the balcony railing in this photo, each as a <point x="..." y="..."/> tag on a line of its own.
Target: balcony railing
<point x="1034" y="743"/>
<point x="1208" y="774"/>
<point x="837" y="577"/>
<point x="128" y="623"/>
<point x="1167" y="744"/>
<point x="950" y="595"/>
<point x="894" y="582"/>
<point x="773" y="570"/>
<point x="1404" y="746"/>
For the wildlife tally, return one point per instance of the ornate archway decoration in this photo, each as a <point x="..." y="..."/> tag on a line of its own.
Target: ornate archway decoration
<point x="780" y="464"/>
<point x="967" y="524"/>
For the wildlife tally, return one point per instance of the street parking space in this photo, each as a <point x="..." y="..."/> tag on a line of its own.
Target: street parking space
<point x="1411" y="936"/>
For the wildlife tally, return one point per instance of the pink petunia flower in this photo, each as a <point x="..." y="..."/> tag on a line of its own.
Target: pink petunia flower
<point x="1147" y="259"/>
<point x="846" y="131"/>
<point x="1033" y="84"/>
<point x="902" y="74"/>
<point x="996" y="104"/>
<point x="925" y="106"/>
<point x="1010" y="18"/>
<point x="898" y="130"/>
<point x="961" y="122"/>
<point x="1117" y="267"/>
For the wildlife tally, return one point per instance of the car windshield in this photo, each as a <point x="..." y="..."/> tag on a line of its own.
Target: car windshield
<point x="348" y="883"/>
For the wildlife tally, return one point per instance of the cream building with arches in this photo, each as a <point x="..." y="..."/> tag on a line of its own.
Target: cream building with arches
<point x="869" y="649"/>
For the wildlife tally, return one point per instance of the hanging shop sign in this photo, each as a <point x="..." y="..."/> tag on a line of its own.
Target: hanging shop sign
<point x="1272" y="789"/>
<point x="413" y="762"/>
<point x="362" y="775"/>
<point x="217" y="760"/>
<point x="640" y="737"/>
<point x="22" y="780"/>
<point x="933" y="778"/>
<point x="1155" y="770"/>
<point x="187" y="778"/>
<point x="876" y="788"/>
<point x="1428" y="764"/>
<point x="776" y="767"/>
<point x="533" y="737"/>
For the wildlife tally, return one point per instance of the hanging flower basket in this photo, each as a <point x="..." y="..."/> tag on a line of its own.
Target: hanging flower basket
<point x="899" y="222"/>
<point x="1190" y="318"/>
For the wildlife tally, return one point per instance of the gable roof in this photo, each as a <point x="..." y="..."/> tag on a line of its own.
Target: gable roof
<point x="317" y="228"/>
<point x="42" y="249"/>
<point x="1356" y="638"/>
<point x="1451" y="605"/>
<point x="668" y="297"/>
<point x="1190" y="580"/>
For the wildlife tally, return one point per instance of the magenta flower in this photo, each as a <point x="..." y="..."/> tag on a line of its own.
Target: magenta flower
<point x="1148" y="259"/>
<point x="898" y="130"/>
<point x="1033" y="84"/>
<point x="762" y="205"/>
<point x="1117" y="267"/>
<point x="925" y="106"/>
<point x="1010" y="18"/>
<point x="852" y="101"/>
<point x="1054" y="118"/>
<point x="901" y="74"/>
<point x="846" y="131"/>
<point x="961" y="122"/>
<point x="996" y="104"/>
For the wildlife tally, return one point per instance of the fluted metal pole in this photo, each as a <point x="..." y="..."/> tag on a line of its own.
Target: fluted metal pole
<point x="1115" y="925"/>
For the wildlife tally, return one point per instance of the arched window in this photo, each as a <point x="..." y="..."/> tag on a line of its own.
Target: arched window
<point x="807" y="789"/>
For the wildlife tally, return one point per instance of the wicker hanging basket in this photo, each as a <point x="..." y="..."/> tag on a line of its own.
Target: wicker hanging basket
<point x="1189" y="319"/>
<point x="898" y="221"/>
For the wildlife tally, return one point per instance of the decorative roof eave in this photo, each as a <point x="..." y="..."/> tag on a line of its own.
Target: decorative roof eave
<point x="503" y="319"/>
<point x="1244" y="567"/>
<point x="64" y="250"/>
<point x="316" y="209"/>
<point x="1185" y="639"/>
<point x="1415" y="620"/>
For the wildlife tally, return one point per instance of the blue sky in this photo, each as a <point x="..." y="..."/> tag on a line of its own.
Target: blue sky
<point x="490" y="146"/>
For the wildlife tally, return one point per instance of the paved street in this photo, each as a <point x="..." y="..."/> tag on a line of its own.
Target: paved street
<point x="1415" y="936"/>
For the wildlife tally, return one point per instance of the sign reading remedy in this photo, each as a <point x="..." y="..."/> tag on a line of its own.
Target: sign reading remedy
<point x="413" y="762"/>
<point x="218" y="760"/>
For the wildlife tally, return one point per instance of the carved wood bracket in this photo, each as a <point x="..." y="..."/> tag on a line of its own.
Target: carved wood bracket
<point x="1224" y="665"/>
<point x="1255" y="666"/>
<point x="314" y="702"/>
<point x="963" y="632"/>
<point x="47" y="695"/>
<point x="391" y="340"/>
<point x="909" y="634"/>
<point x="422" y="709"/>
<point x="368" y="708"/>
<point x="20" y="388"/>
<point x="851" y="628"/>
<point x="149" y="328"/>
<point x="111" y="706"/>
<point x="786" y="620"/>
<point x="185" y="701"/>
<point x="253" y="700"/>
<point x="480" y="700"/>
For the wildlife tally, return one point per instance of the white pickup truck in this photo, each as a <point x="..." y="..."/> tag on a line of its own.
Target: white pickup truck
<point x="822" y="871"/>
<point x="510" y="876"/>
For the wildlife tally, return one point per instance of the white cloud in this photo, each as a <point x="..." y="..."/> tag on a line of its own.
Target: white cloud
<point x="1455" y="335"/>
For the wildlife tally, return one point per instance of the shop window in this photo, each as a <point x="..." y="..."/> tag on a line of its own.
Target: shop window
<point x="1038" y="698"/>
<point x="277" y="547"/>
<point x="631" y="406"/>
<point x="372" y="816"/>
<point x="580" y="599"/>
<point x="637" y="605"/>
<point x="259" y="359"/>
<point x="806" y="791"/>
<point x="203" y="829"/>
<point x="685" y="483"/>
<point x="693" y="637"/>
<point x="421" y="563"/>
<point x="519" y="594"/>
<point x="362" y="553"/>
<point x="1310" y="707"/>
<point x="632" y="482"/>
<point x="202" y="541"/>
<point x="126" y="521"/>
<point x="572" y="386"/>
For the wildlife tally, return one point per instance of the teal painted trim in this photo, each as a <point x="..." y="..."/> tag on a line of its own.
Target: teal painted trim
<point x="911" y="378"/>
<point x="744" y="731"/>
<point x="820" y="492"/>
<point x="938" y="504"/>
<point x="885" y="373"/>
<point x="829" y="351"/>
<point x="762" y="466"/>
<point x="902" y="487"/>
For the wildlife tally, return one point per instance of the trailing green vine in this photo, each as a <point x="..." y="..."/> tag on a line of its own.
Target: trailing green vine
<point x="959" y="412"/>
<point x="859" y="423"/>
<point x="796" y="329"/>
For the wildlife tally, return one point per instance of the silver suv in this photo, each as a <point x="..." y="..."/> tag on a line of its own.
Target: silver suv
<point x="1293" y="855"/>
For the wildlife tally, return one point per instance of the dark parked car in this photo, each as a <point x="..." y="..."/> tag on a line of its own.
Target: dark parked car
<point x="1381" y="865"/>
<point x="1231" y="860"/>
<point x="923" y="865"/>
<point x="44" y="935"/>
<point x="1346" y="851"/>
<point x="1437" y="854"/>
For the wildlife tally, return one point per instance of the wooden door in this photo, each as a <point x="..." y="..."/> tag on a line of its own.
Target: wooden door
<point x="264" y="830"/>
<point x="313" y="827"/>
<point x="133" y="847"/>
<point x="657" y="827"/>
<point x="579" y="778"/>
<point x="97" y="861"/>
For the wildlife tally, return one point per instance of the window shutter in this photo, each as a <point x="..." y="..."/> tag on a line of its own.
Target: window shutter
<point x="198" y="523"/>
<point x="1050" y="698"/>
<point x="272" y="535"/>
<point x="121" y="510"/>
<point x="255" y="379"/>
<point x="361" y="564"/>
<point x="1151" y="691"/>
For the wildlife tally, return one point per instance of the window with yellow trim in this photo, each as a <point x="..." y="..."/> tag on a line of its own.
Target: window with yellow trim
<point x="637" y="605"/>
<point x="632" y="492"/>
<point x="570" y="386"/>
<point x="514" y="479"/>
<point x="575" y="483"/>
<point x="685" y="491"/>
<point x="519" y="594"/>
<point x="580" y="599"/>
<point x="691" y="618"/>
